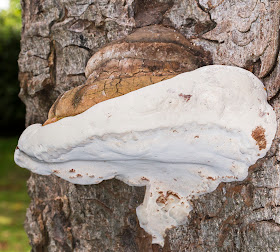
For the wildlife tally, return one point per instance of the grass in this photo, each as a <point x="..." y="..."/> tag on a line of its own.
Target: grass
<point x="13" y="200"/>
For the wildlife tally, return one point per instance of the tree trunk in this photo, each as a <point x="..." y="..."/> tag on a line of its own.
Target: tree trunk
<point x="58" y="38"/>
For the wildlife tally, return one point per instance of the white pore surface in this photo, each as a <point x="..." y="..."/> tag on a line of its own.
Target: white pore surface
<point x="180" y="137"/>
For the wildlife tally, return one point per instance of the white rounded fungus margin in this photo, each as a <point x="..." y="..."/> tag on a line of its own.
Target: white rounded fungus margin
<point x="180" y="137"/>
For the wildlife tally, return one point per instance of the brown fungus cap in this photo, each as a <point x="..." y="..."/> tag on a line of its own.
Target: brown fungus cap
<point x="147" y="56"/>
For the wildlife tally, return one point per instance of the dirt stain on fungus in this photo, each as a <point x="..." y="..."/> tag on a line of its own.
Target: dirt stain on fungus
<point x="144" y="178"/>
<point x="259" y="135"/>
<point x="72" y="170"/>
<point x="186" y="97"/>
<point x="173" y="194"/>
<point x="162" y="199"/>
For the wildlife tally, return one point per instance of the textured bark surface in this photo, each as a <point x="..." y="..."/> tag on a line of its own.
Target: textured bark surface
<point x="60" y="36"/>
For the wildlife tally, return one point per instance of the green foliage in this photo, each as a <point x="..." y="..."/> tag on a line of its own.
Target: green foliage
<point x="11" y="108"/>
<point x="10" y="25"/>
<point x="13" y="199"/>
<point x="13" y="196"/>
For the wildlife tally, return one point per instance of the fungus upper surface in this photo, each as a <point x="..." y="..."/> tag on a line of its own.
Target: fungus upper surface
<point x="147" y="56"/>
<point x="180" y="137"/>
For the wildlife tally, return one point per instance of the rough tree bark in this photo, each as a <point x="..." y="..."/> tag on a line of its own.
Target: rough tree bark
<point x="58" y="38"/>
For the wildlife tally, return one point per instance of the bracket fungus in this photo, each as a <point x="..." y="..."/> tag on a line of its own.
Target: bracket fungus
<point x="180" y="138"/>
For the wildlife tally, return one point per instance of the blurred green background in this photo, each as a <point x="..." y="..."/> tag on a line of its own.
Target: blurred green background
<point x="13" y="191"/>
